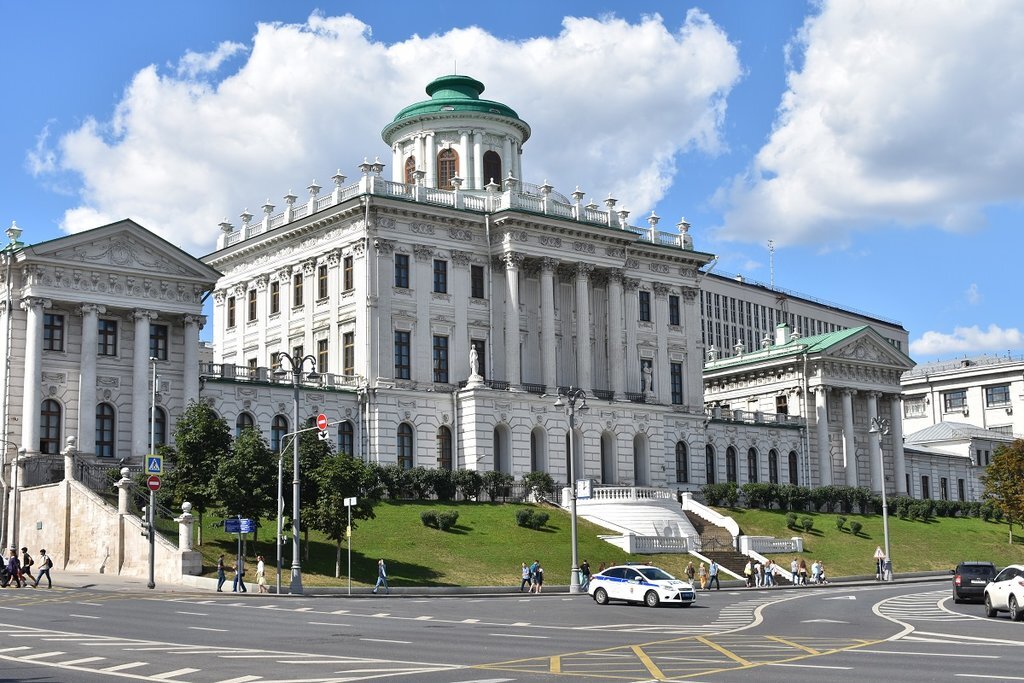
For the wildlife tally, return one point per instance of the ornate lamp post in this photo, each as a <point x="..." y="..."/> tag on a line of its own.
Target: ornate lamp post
<point x="573" y="400"/>
<point x="295" y="367"/>
<point x="880" y="427"/>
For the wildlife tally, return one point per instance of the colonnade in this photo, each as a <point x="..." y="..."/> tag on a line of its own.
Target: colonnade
<point x="470" y="148"/>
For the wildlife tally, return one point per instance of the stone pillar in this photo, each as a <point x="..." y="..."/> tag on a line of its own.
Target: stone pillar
<point x="584" y="364"/>
<point x="193" y="323"/>
<point x="616" y="361"/>
<point x="33" y="372"/>
<point x="632" y="318"/>
<point x="87" y="375"/>
<point x="477" y="180"/>
<point x="185" y="522"/>
<point x="693" y="374"/>
<point x="662" y="383"/>
<point x="821" y="425"/>
<point x="898" y="457"/>
<point x="430" y="160"/>
<point x="465" y="158"/>
<point x="506" y="157"/>
<point x="512" y="369"/>
<point x="548" y="342"/>
<point x="849" y="442"/>
<point x="422" y="337"/>
<point x="124" y="487"/>
<point x="874" y="449"/>
<point x="140" y="385"/>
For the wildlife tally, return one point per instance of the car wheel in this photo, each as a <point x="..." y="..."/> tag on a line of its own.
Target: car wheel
<point x="1016" y="614"/>
<point x="989" y="610"/>
<point x="601" y="596"/>
<point x="651" y="599"/>
<point x="956" y="599"/>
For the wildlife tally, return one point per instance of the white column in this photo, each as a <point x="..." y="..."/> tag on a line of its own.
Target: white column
<point x="693" y="375"/>
<point x="478" y="181"/>
<point x="467" y="170"/>
<point x="140" y="384"/>
<point x="874" y="450"/>
<point x="32" y="401"/>
<point x="632" y="318"/>
<point x="194" y="323"/>
<point x="584" y="363"/>
<point x="506" y="157"/>
<point x="422" y="339"/>
<point x="548" y="342"/>
<point x="430" y="160"/>
<point x="662" y="383"/>
<point x="379" y="330"/>
<point x="512" y="370"/>
<point x="517" y="151"/>
<point x="615" y="346"/>
<point x="309" y="287"/>
<point x="821" y="426"/>
<point x="898" y="456"/>
<point x="87" y="377"/>
<point x="849" y="443"/>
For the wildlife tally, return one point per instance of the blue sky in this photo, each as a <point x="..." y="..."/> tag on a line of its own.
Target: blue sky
<point x="884" y="165"/>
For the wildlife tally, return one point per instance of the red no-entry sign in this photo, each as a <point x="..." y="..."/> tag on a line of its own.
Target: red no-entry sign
<point x="321" y="421"/>
<point x="153" y="483"/>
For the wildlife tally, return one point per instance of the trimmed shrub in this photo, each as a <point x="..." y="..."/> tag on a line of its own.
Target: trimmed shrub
<point x="469" y="483"/>
<point x="855" y="528"/>
<point x="443" y="483"/>
<point x="497" y="485"/>
<point x="807" y="523"/>
<point x="531" y="519"/>
<point x="523" y="517"/>
<point x="791" y="520"/>
<point x="541" y="482"/>
<point x="732" y="494"/>
<point x="841" y="523"/>
<point x="447" y="519"/>
<point x="429" y="518"/>
<point x="420" y="481"/>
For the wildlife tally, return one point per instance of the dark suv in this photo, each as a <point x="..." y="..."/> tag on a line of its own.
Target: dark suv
<point x="970" y="579"/>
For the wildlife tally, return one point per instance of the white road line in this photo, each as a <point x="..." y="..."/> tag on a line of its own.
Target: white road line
<point x="41" y="655"/>
<point x="13" y="609"/>
<point x="91" y="604"/>
<point x="303" y="609"/>
<point x="174" y="674"/>
<point x="83" y="660"/>
<point x="325" y="623"/>
<point x="340" y="611"/>
<point x="84" y="616"/>
<point x="424" y="618"/>
<point x="811" y="666"/>
<point x="207" y="628"/>
<point x="1001" y="678"/>
<point x="241" y="679"/>
<point x="15" y="649"/>
<point x="520" y="623"/>
<point x="516" y="635"/>
<point x="987" y="641"/>
<point x="382" y="640"/>
<point x="194" y="614"/>
<point x="470" y="621"/>
<point x="122" y="667"/>
<point x="926" y="654"/>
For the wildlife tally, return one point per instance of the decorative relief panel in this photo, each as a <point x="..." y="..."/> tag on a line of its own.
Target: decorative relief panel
<point x="548" y="241"/>
<point x="632" y="263"/>
<point x="658" y="268"/>
<point x="385" y="222"/>
<point x="460" y="234"/>
<point x="583" y="247"/>
<point x="422" y="228"/>
<point x="615" y="252"/>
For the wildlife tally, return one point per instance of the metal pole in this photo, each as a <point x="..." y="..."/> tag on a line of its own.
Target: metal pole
<point x="574" y="578"/>
<point x="296" y="584"/>
<point x="280" y="511"/>
<point x="348" y="532"/>
<point x="152" y="493"/>
<point x="881" y="427"/>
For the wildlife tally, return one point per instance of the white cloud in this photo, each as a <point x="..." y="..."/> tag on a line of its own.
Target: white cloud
<point x="973" y="294"/>
<point x="42" y="159"/>
<point x="901" y="114"/>
<point x="967" y="340"/>
<point x="194" y="64"/>
<point x="611" y="103"/>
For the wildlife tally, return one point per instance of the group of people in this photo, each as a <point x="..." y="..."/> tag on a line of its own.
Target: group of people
<point x="705" y="574"/>
<point x="18" y="570"/>
<point x="533" y="577"/>
<point x="800" y="576"/>
<point x="238" y="584"/>
<point x="758" y="574"/>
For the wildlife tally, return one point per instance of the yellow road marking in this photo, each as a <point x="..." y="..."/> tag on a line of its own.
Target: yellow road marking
<point x="646" y="661"/>
<point x="556" y="665"/>
<point x="790" y="643"/>
<point x="728" y="653"/>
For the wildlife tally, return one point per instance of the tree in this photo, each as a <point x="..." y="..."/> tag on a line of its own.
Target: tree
<point x="312" y="453"/>
<point x="246" y="481"/>
<point x="201" y="441"/>
<point x="339" y="477"/>
<point x="1004" y="482"/>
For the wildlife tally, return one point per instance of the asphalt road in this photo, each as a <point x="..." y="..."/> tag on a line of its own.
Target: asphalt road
<point x="903" y="631"/>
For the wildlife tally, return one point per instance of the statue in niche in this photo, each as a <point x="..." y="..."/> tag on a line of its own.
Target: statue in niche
<point x="648" y="379"/>
<point x="474" y="362"/>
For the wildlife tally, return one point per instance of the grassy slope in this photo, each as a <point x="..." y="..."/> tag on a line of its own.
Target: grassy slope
<point x="486" y="547"/>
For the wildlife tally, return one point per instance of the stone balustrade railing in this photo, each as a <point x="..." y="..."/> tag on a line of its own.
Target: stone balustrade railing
<point x="653" y="545"/>
<point x="618" y="494"/>
<point x="767" y="545"/>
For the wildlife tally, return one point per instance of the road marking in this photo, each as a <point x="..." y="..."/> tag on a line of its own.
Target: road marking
<point x="122" y="667"/>
<point x="962" y="637"/>
<point x="325" y="623"/>
<point x="241" y="679"/>
<point x="195" y="614"/>
<point x="928" y="654"/>
<point x="1001" y="678"/>
<point x="470" y="621"/>
<point x="731" y="655"/>
<point x="340" y="611"/>
<point x="15" y="649"/>
<point x="382" y="640"/>
<point x="647" y="662"/>
<point x="174" y="674"/>
<point x="842" y="597"/>
<point x="810" y="666"/>
<point x="207" y="628"/>
<point x="424" y="618"/>
<point x="83" y="660"/>
<point x="516" y="635"/>
<point x="84" y="616"/>
<point x="41" y="655"/>
<point x="823" y="621"/>
<point x="520" y="623"/>
<point x="91" y="604"/>
<point x="798" y="646"/>
<point x="13" y="609"/>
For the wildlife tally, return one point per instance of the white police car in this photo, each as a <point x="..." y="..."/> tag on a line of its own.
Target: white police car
<point x="640" y="583"/>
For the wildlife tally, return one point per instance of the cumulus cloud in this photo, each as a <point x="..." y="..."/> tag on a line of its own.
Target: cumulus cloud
<point x="967" y="340"/>
<point x="898" y="114"/>
<point x="612" y="104"/>
<point x="973" y="294"/>
<point x="42" y="159"/>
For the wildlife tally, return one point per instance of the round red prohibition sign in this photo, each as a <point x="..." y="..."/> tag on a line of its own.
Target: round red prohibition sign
<point x="321" y="421"/>
<point x="153" y="483"/>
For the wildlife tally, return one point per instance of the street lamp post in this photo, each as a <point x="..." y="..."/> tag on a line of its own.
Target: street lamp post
<point x="569" y="400"/>
<point x="880" y="427"/>
<point x="296" y="365"/>
<point x="152" y="494"/>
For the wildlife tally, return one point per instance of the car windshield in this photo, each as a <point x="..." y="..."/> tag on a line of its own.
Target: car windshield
<point x="655" y="574"/>
<point x="977" y="570"/>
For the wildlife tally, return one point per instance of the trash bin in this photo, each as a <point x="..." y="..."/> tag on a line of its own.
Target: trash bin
<point x="887" y="571"/>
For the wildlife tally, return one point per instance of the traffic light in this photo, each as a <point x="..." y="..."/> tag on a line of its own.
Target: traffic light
<point x="145" y="523"/>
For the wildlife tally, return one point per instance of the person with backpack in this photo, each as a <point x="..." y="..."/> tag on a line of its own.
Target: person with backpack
<point x="26" y="566"/>
<point x="45" y="564"/>
<point x="14" y="568"/>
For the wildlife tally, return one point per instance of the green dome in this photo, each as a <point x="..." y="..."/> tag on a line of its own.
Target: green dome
<point x="453" y="94"/>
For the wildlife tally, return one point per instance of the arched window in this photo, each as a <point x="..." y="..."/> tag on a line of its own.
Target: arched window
<point x="159" y="427"/>
<point x="410" y="168"/>
<point x="447" y="168"/>
<point x="243" y="421"/>
<point x="752" y="465"/>
<point x="405" y="457"/>
<point x="709" y="463"/>
<point x="444" y="448"/>
<point x="730" y="465"/>
<point x="492" y="167"/>
<point x="794" y="477"/>
<point x="346" y="438"/>
<point x="502" y="449"/>
<point x="49" y="427"/>
<point x="105" y="430"/>
<point x="278" y="428"/>
<point x="773" y="466"/>
<point x="536" y="450"/>
<point x="682" y="466"/>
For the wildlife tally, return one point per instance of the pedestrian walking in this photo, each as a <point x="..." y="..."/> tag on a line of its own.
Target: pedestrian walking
<point x="527" y="579"/>
<point x="221" y="576"/>
<point x="815" y="572"/>
<point x="713" y="576"/>
<point x="382" y="577"/>
<point x="26" y="567"/>
<point x="748" y="574"/>
<point x="690" y="572"/>
<point x="45" y="564"/>
<point x="793" y="568"/>
<point x="802" y="571"/>
<point x="585" y="574"/>
<point x="538" y="578"/>
<point x="14" y="568"/>
<point x="702" y="574"/>
<point x="238" y="585"/>
<point x="261" y="576"/>
<point x="533" y="576"/>
<point x="769" y="573"/>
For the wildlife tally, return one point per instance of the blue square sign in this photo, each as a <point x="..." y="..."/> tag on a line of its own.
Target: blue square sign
<point x="154" y="464"/>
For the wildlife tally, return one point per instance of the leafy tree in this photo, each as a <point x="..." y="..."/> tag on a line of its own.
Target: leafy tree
<point x="541" y="482"/>
<point x="339" y="477"/>
<point x="497" y="484"/>
<point x="469" y="482"/>
<point x="246" y="481"/>
<point x="202" y="440"/>
<point x="312" y="453"/>
<point x="1004" y="482"/>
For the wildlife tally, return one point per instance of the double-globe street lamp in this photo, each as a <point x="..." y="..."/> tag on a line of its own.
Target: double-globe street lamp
<point x="880" y="427"/>
<point x="573" y="400"/>
<point x="296" y="365"/>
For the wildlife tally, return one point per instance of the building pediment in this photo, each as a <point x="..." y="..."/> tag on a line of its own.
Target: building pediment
<point x="869" y="348"/>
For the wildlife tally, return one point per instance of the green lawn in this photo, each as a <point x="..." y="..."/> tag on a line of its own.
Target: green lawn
<point x="486" y="546"/>
<point x="915" y="546"/>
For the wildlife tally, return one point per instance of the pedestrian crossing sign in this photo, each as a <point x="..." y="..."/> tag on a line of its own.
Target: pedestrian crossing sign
<point x="154" y="464"/>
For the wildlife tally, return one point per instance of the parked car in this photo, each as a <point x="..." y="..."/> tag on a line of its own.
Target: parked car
<point x="640" y="583"/>
<point x="1006" y="593"/>
<point x="970" y="579"/>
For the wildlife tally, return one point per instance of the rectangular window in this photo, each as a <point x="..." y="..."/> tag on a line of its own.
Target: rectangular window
<point x="275" y="297"/>
<point x="321" y="356"/>
<point x="476" y="282"/>
<point x="159" y="339"/>
<point x="402" y="271"/>
<point x="673" y="309"/>
<point x="645" y="306"/>
<point x="252" y="305"/>
<point x="347" y="280"/>
<point x="321" y="282"/>
<point x="297" y="290"/>
<point x="298" y="352"/>
<point x="944" y="488"/>
<point x="481" y="355"/>
<point x="997" y="397"/>
<point x="440" y="359"/>
<point x="53" y="332"/>
<point x="275" y="361"/>
<point x="107" y="338"/>
<point x="231" y="311"/>
<point x="961" y="490"/>
<point x="440" y="276"/>
<point x="926" y="487"/>
<point x="914" y="407"/>
<point x="781" y="405"/>
<point x="677" y="383"/>
<point x="954" y="401"/>
<point x="403" y="362"/>
<point x="348" y="354"/>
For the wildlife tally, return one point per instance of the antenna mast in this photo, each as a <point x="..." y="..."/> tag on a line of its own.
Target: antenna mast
<point x="771" y="262"/>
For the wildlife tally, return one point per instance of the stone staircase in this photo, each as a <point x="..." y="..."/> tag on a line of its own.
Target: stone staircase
<point x="717" y="545"/>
